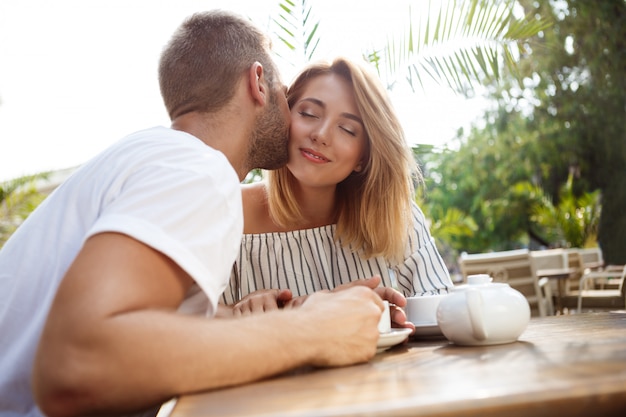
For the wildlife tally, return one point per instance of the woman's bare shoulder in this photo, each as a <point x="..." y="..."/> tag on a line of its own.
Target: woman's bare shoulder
<point x="253" y="192"/>
<point x="255" y="210"/>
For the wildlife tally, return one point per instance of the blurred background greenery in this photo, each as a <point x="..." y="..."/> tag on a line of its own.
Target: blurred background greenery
<point x="547" y="165"/>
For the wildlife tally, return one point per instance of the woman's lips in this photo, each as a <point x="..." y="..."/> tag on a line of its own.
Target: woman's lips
<point x="313" y="156"/>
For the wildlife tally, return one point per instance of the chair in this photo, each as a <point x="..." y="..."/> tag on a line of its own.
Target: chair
<point x="512" y="267"/>
<point x="545" y="287"/>
<point x="602" y="297"/>
<point x="549" y="259"/>
<point x="582" y="259"/>
<point x="590" y="257"/>
<point x="612" y="281"/>
<point x="552" y="265"/>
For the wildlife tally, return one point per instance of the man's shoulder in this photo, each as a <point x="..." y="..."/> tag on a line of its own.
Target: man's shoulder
<point x="172" y="147"/>
<point x="162" y="135"/>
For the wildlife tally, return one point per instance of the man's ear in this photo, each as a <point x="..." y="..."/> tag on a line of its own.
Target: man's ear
<point x="258" y="87"/>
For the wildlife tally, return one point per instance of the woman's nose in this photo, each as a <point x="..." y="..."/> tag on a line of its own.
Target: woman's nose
<point x="320" y="135"/>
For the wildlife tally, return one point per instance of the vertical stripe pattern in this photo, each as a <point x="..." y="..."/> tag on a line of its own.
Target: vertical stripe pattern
<point x="310" y="260"/>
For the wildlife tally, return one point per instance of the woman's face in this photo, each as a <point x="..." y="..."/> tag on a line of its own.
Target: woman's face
<point x="327" y="137"/>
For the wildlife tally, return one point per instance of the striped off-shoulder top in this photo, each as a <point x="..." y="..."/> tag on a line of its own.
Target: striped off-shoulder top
<point x="310" y="260"/>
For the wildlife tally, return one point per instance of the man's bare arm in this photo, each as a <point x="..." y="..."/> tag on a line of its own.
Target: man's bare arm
<point x="114" y="341"/>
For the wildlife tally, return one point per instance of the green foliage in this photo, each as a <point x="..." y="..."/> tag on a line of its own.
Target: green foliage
<point x="297" y="30"/>
<point x="450" y="225"/>
<point x="459" y="44"/>
<point x="253" y="176"/>
<point x="576" y="89"/>
<point x="566" y="123"/>
<point x="574" y="221"/>
<point x="479" y="180"/>
<point x="18" y="198"/>
<point x="495" y="179"/>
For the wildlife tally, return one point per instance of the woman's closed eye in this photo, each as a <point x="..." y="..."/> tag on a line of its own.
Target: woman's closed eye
<point x="348" y="130"/>
<point x="307" y="114"/>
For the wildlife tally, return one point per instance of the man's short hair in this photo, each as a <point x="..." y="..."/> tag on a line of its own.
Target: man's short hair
<point x="204" y="60"/>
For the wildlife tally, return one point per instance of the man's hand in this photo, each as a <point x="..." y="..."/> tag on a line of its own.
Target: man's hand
<point x="395" y="298"/>
<point x="343" y="325"/>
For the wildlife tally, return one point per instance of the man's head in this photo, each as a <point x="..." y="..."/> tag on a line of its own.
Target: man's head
<point x="205" y="59"/>
<point x="200" y="70"/>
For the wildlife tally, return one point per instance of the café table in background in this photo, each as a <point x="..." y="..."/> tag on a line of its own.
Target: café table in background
<point x="560" y="275"/>
<point x="565" y="366"/>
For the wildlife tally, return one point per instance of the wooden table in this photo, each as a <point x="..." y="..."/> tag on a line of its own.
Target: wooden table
<point x="593" y="265"/>
<point x="571" y="365"/>
<point x="561" y="275"/>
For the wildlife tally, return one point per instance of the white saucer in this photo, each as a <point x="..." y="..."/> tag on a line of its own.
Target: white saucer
<point x="427" y="330"/>
<point x="395" y="336"/>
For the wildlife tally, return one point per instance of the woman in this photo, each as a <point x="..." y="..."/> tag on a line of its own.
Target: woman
<point x="340" y="210"/>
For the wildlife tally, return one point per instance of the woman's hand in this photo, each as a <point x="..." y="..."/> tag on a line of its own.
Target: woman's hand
<point x="261" y="301"/>
<point x="298" y="301"/>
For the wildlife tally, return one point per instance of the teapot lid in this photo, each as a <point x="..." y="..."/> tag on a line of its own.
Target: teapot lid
<point x="480" y="281"/>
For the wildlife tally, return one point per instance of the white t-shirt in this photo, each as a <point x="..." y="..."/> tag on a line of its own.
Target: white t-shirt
<point x="163" y="187"/>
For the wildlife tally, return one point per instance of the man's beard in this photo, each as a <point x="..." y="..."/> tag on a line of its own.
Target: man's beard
<point x="268" y="143"/>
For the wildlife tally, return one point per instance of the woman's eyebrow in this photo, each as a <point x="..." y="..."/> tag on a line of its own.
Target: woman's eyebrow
<point x="323" y="105"/>
<point x="353" y="117"/>
<point x="315" y="101"/>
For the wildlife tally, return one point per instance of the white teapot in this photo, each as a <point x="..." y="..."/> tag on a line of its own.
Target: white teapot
<point x="483" y="313"/>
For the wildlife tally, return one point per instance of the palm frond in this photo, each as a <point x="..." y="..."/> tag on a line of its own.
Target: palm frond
<point x="297" y="31"/>
<point x="458" y="44"/>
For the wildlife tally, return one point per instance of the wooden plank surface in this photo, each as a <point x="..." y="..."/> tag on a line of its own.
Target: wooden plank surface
<point x="571" y="365"/>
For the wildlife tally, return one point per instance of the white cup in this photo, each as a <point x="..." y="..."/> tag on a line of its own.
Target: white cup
<point x="422" y="310"/>
<point x="384" y="325"/>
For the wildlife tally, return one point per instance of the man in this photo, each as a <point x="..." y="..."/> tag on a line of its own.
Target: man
<point x="98" y="286"/>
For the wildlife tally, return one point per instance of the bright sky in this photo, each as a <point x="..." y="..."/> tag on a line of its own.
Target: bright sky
<point x="78" y="75"/>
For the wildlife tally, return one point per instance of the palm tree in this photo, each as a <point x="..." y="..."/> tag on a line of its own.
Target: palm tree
<point x="457" y="43"/>
<point x="297" y="30"/>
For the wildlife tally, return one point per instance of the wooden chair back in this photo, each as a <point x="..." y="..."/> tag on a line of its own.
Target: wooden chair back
<point x="591" y="256"/>
<point x="551" y="259"/>
<point x="583" y="260"/>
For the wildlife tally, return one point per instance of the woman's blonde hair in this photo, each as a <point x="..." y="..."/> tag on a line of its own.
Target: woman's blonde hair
<point x="373" y="210"/>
